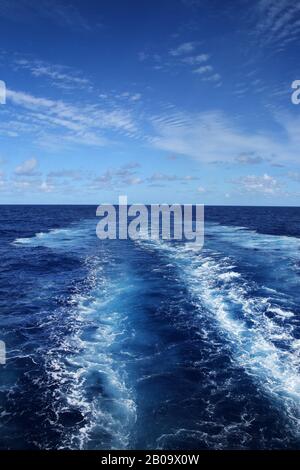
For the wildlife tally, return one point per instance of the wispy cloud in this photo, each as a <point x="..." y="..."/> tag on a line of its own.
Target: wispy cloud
<point x="27" y="168"/>
<point x="85" y="125"/>
<point x="123" y="176"/>
<point x="201" y="190"/>
<point x="72" y="174"/>
<point x="278" y="22"/>
<point x="196" y="59"/>
<point x="61" y="76"/>
<point x="62" y="14"/>
<point x="25" y="179"/>
<point x="185" y="48"/>
<point x="130" y="96"/>
<point x="250" y="159"/>
<point x="216" y="78"/>
<point x="213" y="137"/>
<point x="46" y="187"/>
<point x="294" y="176"/>
<point x="265" y="184"/>
<point x="2" y="180"/>
<point x="203" y="69"/>
<point x="206" y="72"/>
<point x="188" y="56"/>
<point x="171" y="177"/>
<point x="182" y="54"/>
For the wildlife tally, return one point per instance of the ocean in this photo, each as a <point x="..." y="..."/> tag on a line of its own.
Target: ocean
<point x="122" y="344"/>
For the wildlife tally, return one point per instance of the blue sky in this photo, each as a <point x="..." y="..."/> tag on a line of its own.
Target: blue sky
<point x="184" y="101"/>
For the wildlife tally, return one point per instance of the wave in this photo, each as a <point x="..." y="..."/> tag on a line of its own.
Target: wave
<point x="91" y="405"/>
<point x="93" y="396"/>
<point x="39" y="236"/>
<point x="59" y="238"/>
<point x="248" y="238"/>
<point x="91" y="383"/>
<point x="259" y="330"/>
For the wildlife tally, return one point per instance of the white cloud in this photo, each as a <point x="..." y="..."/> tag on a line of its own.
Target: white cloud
<point x="27" y="168"/>
<point x="131" y="96"/>
<point x="163" y="177"/>
<point x="122" y="176"/>
<point x="84" y="124"/>
<point x="184" y="48"/>
<point x="204" y="69"/>
<point x="131" y="166"/>
<point x="278" y="22"/>
<point x="207" y="75"/>
<point x="46" y="187"/>
<point x="23" y="185"/>
<point x="185" y="54"/>
<point x="132" y="181"/>
<point x="249" y="159"/>
<point x="136" y="97"/>
<point x="265" y="184"/>
<point x="60" y="76"/>
<point x="72" y="174"/>
<point x="294" y="176"/>
<point x="216" y="77"/>
<point x="201" y="190"/>
<point x="213" y="137"/>
<point x="194" y="60"/>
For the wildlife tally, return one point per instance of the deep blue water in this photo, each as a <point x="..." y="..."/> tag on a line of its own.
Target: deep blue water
<point x="123" y="344"/>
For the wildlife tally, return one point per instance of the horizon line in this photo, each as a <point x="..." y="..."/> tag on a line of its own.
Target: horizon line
<point x="149" y="204"/>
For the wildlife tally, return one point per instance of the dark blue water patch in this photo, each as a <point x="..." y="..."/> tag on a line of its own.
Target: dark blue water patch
<point x="269" y="220"/>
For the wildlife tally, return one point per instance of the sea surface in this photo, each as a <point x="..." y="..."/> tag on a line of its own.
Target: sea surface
<point x="150" y="344"/>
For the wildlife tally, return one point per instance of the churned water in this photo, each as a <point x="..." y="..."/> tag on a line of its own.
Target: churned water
<point x="150" y="344"/>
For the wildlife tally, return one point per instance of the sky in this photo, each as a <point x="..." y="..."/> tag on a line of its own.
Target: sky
<point x="170" y="101"/>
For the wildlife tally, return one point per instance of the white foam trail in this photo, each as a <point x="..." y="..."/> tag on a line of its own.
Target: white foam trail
<point x="229" y="276"/>
<point x="251" y="239"/>
<point x="281" y="312"/>
<point x="253" y="335"/>
<point x="111" y="411"/>
<point x="58" y="238"/>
